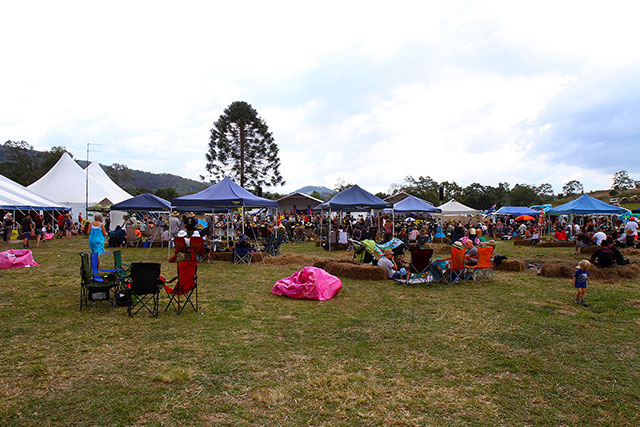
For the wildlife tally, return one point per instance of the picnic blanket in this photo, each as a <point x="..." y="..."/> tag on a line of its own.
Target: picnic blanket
<point x="309" y="283"/>
<point x="16" y="258"/>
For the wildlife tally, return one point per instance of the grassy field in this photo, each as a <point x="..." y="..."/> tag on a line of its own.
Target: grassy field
<point x="516" y="351"/>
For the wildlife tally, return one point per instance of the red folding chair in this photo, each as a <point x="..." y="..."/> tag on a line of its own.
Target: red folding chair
<point x="484" y="268"/>
<point x="457" y="269"/>
<point x="197" y="246"/>
<point x="181" y="249"/>
<point x="182" y="293"/>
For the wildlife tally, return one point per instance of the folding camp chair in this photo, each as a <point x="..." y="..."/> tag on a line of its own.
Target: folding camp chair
<point x="298" y="236"/>
<point x="457" y="269"/>
<point x="419" y="272"/>
<point x="132" y="239"/>
<point x="95" y="286"/>
<point x="273" y="247"/>
<point x="484" y="268"/>
<point x="181" y="294"/>
<point x="181" y="249"/>
<point x="197" y="246"/>
<point x="122" y="271"/>
<point x="420" y="260"/>
<point x="144" y="288"/>
<point x="242" y="255"/>
<point x="155" y="236"/>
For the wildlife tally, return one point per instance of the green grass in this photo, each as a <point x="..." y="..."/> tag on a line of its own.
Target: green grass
<point x="516" y="351"/>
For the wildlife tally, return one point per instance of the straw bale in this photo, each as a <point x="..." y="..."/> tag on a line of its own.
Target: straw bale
<point x="522" y="243"/>
<point x="441" y="240"/>
<point x="221" y="256"/>
<point x="556" y="244"/>
<point x="610" y="274"/>
<point x="352" y="271"/>
<point x="630" y="251"/>
<point x="589" y="250"/>
<point x="517" y="238"/>
<point x="287" y="259"/>
<point x="510" y="265"/>
<point x="322" y="263"/>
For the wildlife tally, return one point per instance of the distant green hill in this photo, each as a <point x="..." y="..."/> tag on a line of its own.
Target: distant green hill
<point x="37" y="163"/>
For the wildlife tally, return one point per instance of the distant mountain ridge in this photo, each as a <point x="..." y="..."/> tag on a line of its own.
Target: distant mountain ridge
<point x="309" y="189"/>
<point x="136" y="179"/>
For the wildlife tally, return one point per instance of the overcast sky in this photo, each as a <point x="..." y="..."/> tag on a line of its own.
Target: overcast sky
<point x="523" y="92"/>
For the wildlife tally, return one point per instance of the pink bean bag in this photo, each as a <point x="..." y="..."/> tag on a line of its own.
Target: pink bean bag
<point x="309" y="283"/>
<point x="16" y="258"/>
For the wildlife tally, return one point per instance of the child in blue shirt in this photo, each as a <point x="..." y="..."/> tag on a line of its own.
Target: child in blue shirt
<point x="581" y="280"/>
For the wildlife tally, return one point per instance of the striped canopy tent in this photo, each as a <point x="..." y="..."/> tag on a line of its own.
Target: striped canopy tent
<point x="14" y="196"/>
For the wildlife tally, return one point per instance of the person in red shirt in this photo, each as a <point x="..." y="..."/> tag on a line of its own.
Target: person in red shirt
<point x="560" y="234"/>
<point x="61" y="219"/>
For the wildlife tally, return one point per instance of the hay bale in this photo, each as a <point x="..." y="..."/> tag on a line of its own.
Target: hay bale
<point x="610" y="274"/>
<point x="288" y="259"/>
<point x="322" y="263"/>
<point x="557" y="244"/>
<point x="441" y="240"/>
<point x="613" y="274"/>
<point x="630" y="252"/>
<point x="522" y="243"/>
<point x="221" y="256"/>
<point x="352" y="271"/>
<point x="510" y="265"/>
<point x="557" y="270"/>
<point x="589" y="250"/>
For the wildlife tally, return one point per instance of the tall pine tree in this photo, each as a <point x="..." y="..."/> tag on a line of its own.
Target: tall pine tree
<point x="242" y="148"/>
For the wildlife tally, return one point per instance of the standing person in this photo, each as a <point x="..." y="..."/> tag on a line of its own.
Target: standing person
<point x="80" y="222"/>
<point x="581" y="280"/>
<point x="27" y="229"/>
<point x="67" y="225"/>
<point x="632" y="225"/>
<point x="8" y="226"/>
<point x="107" y="223"/>
<point x="60" y="232"/>
<point x="97" y="235"/>
<point x="191" y="223"/>
<point x="174" y="224"/>
<point x="39" y="229"/>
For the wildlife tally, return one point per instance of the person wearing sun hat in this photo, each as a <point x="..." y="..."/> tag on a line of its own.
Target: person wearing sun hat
<point x="174" y="224"/>
<point x="632" y="225"/>
<point x="388" y="263"/>
<point x="191" y="223"/>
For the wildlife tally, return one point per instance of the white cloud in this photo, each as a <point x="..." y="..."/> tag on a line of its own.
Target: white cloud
<point x="148" y="79"/>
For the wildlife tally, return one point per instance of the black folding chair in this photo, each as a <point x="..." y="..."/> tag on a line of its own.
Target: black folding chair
<point x="96" y="287"/>
<point x="144" y="288"/>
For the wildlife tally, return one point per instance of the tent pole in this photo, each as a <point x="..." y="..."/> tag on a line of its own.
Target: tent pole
<point x="329" y="235"/>
<point x="393" y="222"/>
<point x="243" y="220"/>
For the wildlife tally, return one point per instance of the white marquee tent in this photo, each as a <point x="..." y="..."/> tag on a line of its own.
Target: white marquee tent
<point x="65" y="183"/>
<point x="455" y="208"/>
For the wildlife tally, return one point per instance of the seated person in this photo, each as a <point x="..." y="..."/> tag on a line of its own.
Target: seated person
<point x="244" y="244"/>
<point x="608" y="255"/>
<point x="423" y="239"/>
<point x="560" y="235"/>
<point x="626" y="240"/>
<point x="583" y="240"/>
<point x="535" y="236"/>
<point x="389" y="264"/>
<point x="117" y="237"/>
<point x="470" y="253"/>
<point x="603" y="257"/>
<point x="599" y="237"/>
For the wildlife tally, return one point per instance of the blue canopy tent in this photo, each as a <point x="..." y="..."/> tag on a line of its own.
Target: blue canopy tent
<point x="516" y="211"/>
<point x="351" y="199"/>
<point x="143" y="202"/>
<point x="224" y="194"/>
<point x="414" y="204"/>
<point x="587" y="205"/>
